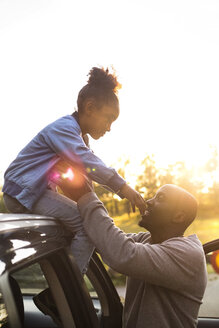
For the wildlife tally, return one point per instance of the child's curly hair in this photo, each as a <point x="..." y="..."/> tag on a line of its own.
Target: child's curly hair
<point x="102" y="86"/>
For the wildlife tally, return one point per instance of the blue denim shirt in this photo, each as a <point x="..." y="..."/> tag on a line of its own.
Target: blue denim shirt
<point x="27" y="176"/>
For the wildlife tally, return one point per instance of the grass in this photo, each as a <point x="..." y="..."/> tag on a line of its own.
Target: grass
<point x="206" y="229"/>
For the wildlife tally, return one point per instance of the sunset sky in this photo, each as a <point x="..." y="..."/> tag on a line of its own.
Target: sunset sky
<point x="165" y="54"/>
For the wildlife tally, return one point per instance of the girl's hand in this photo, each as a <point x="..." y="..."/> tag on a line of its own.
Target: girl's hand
<point x="134" y="197"/>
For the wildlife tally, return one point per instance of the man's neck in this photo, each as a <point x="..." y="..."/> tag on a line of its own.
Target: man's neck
<point x="158" y="238"/>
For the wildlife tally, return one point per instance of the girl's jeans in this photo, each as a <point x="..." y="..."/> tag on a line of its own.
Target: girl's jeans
<point x="53" y="204"/>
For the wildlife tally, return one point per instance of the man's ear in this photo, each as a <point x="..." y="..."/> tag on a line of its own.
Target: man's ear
<point x="179" y="217"/>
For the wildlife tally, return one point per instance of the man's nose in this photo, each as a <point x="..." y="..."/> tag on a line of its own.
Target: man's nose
<point x="149" y="202"/>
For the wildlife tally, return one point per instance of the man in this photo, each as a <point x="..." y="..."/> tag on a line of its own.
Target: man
<point x="166" y="271"/>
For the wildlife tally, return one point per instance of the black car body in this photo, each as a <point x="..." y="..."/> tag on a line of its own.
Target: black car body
<point x="35" y="255"/>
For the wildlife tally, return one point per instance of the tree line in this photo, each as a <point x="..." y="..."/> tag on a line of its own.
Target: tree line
<point x="203" y="184"/>
<point x="152" y="177"/>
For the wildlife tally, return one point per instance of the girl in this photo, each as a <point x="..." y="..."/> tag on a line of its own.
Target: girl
<point x="27" y="186"/>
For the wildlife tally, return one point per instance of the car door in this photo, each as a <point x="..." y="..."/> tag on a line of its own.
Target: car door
<point x="209" y="310"/>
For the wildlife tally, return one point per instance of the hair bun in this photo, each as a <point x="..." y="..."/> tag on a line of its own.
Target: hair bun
<point x="101" y="78"/>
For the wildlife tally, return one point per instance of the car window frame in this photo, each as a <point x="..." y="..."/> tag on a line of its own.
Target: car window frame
<point x="111" y="305"/>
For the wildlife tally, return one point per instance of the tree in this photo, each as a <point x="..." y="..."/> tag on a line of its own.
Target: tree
<point x="148" y="182"/>
<point x="212" y="164"/>
<point x="103" y="193"/>
<point x="166" y="176"/>
<point x="2" y="205"/>
<point x="122" y="172"/>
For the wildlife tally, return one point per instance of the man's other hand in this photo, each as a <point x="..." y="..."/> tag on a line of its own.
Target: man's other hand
<point x="70" y="180"/>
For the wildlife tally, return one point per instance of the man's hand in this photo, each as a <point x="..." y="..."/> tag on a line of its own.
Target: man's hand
<point x="134" y="197"/>
<point x="71" y="181"/>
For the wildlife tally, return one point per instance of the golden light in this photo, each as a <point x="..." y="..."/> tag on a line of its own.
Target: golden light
<point x="69" y="174"/>
<point x="63" y="171"/>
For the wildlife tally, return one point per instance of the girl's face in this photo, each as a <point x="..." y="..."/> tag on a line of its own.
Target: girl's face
<point x="100" y="120"/>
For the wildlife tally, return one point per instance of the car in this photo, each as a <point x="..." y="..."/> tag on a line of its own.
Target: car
<point x="35" y="255"/>
<point x="36" y="261"/>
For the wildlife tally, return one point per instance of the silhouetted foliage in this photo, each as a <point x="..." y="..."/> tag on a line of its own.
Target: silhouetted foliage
<point x="2" y="205"/>
<point x="147" y="182"/>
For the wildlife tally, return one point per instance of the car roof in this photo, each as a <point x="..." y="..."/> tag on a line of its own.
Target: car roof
<point x="19" y="221"/>
<point x="22" y="216"/>
<point x="19" y="232"/>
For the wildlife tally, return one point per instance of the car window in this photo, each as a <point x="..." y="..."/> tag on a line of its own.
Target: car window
<point x="39" y="296"/>
<point x="31" y="279"/>
<point x="94" y="296"/>
<point x="210" y="306"/>
<point x="3" y="312"/>
<point x="30" y="282"/>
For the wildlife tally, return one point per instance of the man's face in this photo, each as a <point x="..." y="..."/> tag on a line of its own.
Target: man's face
<point x="100" y="120"/>
<point x="161" y="209"/>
